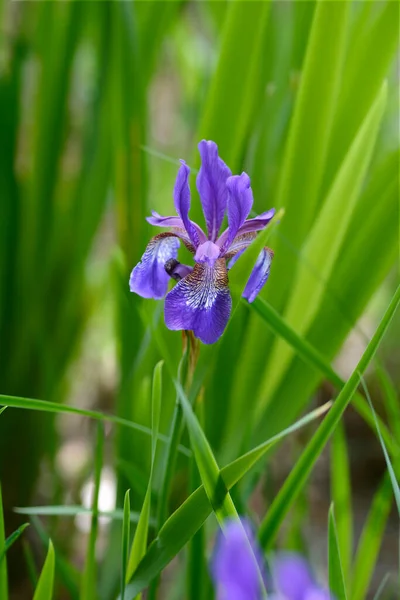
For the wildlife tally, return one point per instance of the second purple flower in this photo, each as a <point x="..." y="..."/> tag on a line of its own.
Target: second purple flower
<point x="201" y="300"/>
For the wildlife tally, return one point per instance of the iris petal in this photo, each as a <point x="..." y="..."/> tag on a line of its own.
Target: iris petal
<point x="211" y="185"/>
<point x="201" y="302"/>
<point x="182" y="202"/>
<point x="240" y="201"/>
<point x="259" y="274"/>
<point x="176" y="223"/>
<point x="292" y="576"/>
<point x="149" y="278"/>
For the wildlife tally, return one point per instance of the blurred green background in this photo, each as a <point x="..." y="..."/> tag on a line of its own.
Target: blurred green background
<point x="98" y="101"/>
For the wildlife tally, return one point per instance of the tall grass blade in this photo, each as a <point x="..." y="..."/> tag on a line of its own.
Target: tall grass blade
<point x="13" y="538"/>
<point x="300" y="472"/>
<point x="125" y="542"/>
<point x="3" y="561"/>
<point x="336" y="577"/>
<point x="44" y="588"/>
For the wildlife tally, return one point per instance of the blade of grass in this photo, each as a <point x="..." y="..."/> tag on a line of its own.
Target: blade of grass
<point x="139" y="543"/>
<point x="314" y="358"/>
<point x="53" y="407"/>
<point x="30" y="565"/>
<point x="190" y="516"/>
<point x="341" y="494"/>
<point x="3" y="561"/>
<point x="391" y="401"/>
<point x="44" y="588"/>
<point x="371" y="539"/>
<point x="2" y="409"/>
<point x="73" y="511"/>
<point x="336" y="578"/>
<point x="125" y="542"/>
<point x="393" y="478"/>
<point x="13" y="538"/>
<point x="300" y="472"/>
<point x="88" y="585"/>
<point x="323" y="245"/>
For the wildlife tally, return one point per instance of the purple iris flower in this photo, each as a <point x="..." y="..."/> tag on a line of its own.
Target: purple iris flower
<point x="236" y="573"/>
<point x="201" y="300"/>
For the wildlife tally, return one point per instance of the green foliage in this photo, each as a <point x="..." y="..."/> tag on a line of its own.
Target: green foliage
<point x="44" y="588"/>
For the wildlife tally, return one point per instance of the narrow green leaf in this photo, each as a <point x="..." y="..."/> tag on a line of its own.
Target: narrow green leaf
<point x="336" y="578"/>
<point x="44" y="588"/>
<point x="2" y="409"/>
<point x="391" y="400"/>
<point x="139" y="544"/>
<point x="88" y="585"/>
<point x="341" y="493"/>
<point x="393" y="478"/>
<point x="30" y="564"/>
<point x="323" y="245"/>
<point x="72" y="511"/>
<point x="371" y="539"/>
<point x="125" y="542"/>
<point x="53" y="407"/>
<point x="300" y="472"/>
<point x="381" y="587"/>
<point x="3" y="561"/>
<point x="316" y="360"/>
<point x="190" y="516"/>
<point x="13" y="538"/>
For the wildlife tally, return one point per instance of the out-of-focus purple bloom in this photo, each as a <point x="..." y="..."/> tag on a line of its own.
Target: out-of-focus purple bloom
<point x="201" y="300"/>
<point x="237" y="565"/>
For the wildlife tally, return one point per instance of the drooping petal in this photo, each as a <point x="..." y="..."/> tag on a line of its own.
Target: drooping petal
<point x="292" y="576"/>
<point x="234" y="567"/>
<point x="259" y="274"/>
<point x="201" y="302"/>
<point x="149" y="278"/>
<point x="240" y="201"/>
<point x="211" y="185"/>
<point x="177" y="223"/>
<point x="182" y="202"/>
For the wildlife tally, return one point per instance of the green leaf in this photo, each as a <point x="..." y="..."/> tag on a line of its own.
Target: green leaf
<point x="341" y="493"/>
<point x="73" y="510"/>
<point x="125" y="542"/>
<point x="88" y="585"/>
<point x="315" y="359"/>
<point x="44" y="588"/>
<point x="53" y="407"/>
<point x="190" y="516"/>
<point x="393" y="478"/>
<point x="391" y="401"/>
<point x="139" y="544"/>
<point x="2" y="409"/>
<point x="323" y="244"/>
<point x="336" y="578"/>
<point x="371" y="539"/>
<point x="300" y="472"/>
<point x="13" y="538"/>
<point x="3" y="562"/>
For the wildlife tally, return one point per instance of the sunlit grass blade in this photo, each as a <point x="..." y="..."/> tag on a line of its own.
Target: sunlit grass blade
<point x="2" y="409"/>
<point x="302" y="469"/>
<point x="139" y="544"/>
<point x="391" y="471"/>
<point x="125" y="542"/>
<point x="89" y="583"/>
<point x="341" y="494"/>
<point x="53" y="407"/>
<point x="44" y="588"/>
<point x="315" y="359"/>
<point x="336" y="578"/>
<point x="3" y="561"/>
<point x="190" y="516"/>
<point x="371" y="539"/>
<point x="322" y="247"/>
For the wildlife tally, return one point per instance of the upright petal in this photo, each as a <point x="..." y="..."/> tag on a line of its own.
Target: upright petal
<point x="149" y="278"/>
<point x="237" y="564"/>
<point x="211" y="185"/>
<point x="259" y="274"/>
<point x="240" y="201"/>
<point x="201" y="302"/>
<point x="182" y="201"/>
